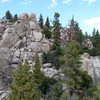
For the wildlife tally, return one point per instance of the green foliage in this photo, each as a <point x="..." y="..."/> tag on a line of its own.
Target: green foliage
<point x="96" y="38"/>
<point x="76" y="79"/>
<point x="38" y="75"/>
<point x="24" y="87"/>
<point x="78" y="32"/>
<point x="57" y="50"/>
<point x="47" y="23"/>
<point x="47" y="33"/>
<point x="92" y="52"/>
<point x="8" y="15"/>
<point x="41" y="21"/>
<point x="15" y="17"/>
<point x="55" y="92"/>
<point x="96" y="92"/>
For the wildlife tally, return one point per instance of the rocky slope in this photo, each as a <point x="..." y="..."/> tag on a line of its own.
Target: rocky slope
<point x="22" y="39"/>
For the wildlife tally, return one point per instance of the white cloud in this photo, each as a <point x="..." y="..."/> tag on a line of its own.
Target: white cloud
<point x="26" y="2"/>
<point x="90" y="1"/>
<point x="4" y="1"/>
<point x="53" y="4"/>
<point x="92" y="22"/>
<point x="66" y="1"/>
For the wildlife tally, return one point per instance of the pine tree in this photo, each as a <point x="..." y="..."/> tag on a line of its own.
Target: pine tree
<point x="76" y="79"/>
<point x="47" y="32"/>
<point x="39" y="76"/>
<point x="55" y="92"/>
<point x="78" y="35"/>
<point x="9" y="15"/>
<point x="47" y="23"/>
<point x="15" y="17"/>
<point x="56" y="41"/>
<point x="41" y="21"/>
<point x="96" y="38"/>
<point x="24" y="86"/>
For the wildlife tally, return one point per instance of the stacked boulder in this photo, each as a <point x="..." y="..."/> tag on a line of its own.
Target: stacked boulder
<point x="20" y="41"/>
<point x="24" y="39"/>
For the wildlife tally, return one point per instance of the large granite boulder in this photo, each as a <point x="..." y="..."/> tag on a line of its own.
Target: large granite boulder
<point x="21" y="27"/>
<point x="9" y="38"/>
<point x="23" y="16"/>
<point x="5" y="57"/>
<point x="87" y="64"/>
<point x="91" y="65"/>
<point x="38" y="36"/>
<point x="32" y="25"/>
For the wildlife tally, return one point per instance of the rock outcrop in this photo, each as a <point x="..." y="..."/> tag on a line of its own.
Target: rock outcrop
<point x="91" y="65"/>
<point x="20" y="41"/>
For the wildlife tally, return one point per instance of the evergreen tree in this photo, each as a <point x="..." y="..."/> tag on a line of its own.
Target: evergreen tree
<point x="41" y="21"/>
<point x="9" y="15"/>
<point x="39" y="76"/>
<point x="57" y="50"/>
<point x="79" y="37"/>
<point x="96" y="38"/>
<point x="55" y="92"/>
<point x="47" y="23"/>
<point x="24" y="86"/>
<point x="86" y="35"/>
<point x="15" y="17"/>
<point x="76" y="79"/>
<point x="47" y="32"/>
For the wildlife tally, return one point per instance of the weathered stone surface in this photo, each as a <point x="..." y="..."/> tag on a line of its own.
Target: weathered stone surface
<point x="8" y="40"/>
<point x="2" y="28"/>
<point x="32" y="25"/>
<point x="20" y="27"/>
<point x="87" y="65"/>
<point x="23" y="16"/>
<point x="9" y="30"/>
<point x="50" y="72"/>
<point x="32" y="17"/>
<point x="38" y="36"/>
<point x="47" y="65"/>
<point x="5" y="57"/>
<point x="91" y="65"/>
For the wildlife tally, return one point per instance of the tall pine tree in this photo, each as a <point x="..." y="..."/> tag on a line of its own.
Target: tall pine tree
<point x="47" y="23"/>
<point x="41" y="21"/>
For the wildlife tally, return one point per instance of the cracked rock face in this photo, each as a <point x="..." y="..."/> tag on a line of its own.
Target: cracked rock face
<point x="5" y="57"/>
<point x="22" y="39"/>
<point x="91" y="65"/>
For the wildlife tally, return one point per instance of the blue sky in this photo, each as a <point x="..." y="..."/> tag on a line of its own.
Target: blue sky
<point x="86" y="12"/>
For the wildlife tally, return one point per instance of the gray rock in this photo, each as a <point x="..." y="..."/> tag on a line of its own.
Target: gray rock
<point x="38" y="36"/>
<point x="2" y="28"/>
<point x="50" y="72"/>
<point x="23" y="16"/>
<point x="32" y="17"/>
<point x="47" y="65"/>
<point x="32" y="25"/>
<point x="5" y="57"/>
<point x="9" y="39"/>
